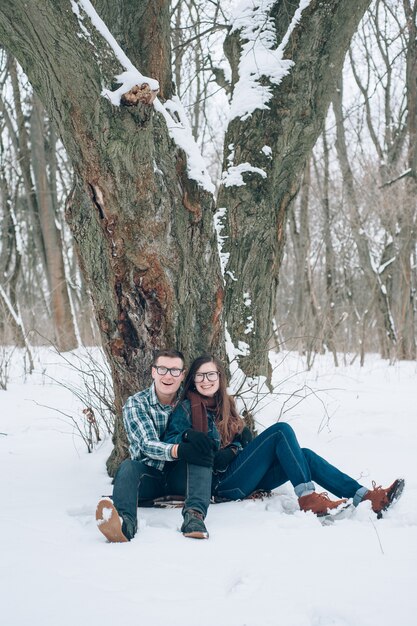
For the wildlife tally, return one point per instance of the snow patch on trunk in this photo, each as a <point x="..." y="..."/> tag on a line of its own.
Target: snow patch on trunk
<point x="260" y="58"/>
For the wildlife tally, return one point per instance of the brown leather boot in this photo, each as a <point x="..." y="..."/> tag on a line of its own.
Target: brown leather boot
<point x="381" y="498"/>
<point x="319" y="503"/>
<point x="109" y="522"/>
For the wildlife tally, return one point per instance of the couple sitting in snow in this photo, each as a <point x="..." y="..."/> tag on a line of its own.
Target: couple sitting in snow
<point x="196" y="445"/>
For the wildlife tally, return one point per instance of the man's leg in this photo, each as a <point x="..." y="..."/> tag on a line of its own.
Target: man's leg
<point x="134" y="480"/>
<point x="195" y="482"/>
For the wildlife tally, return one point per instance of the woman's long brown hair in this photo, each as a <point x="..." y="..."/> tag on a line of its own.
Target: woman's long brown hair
<point x="228" y="422"/>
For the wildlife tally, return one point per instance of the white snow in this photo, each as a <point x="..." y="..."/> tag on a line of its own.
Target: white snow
<point x="384" y="266"/>
<point x="131" y="76"/>
<point x="17" y="319"/>
<point x="266" y="563"/>
<point x="260" y="56"/>
<point x="180" y="132"/>
<point x="106" y="513"/>
<point x="250" y="325"/>
<point x="247" y="299"/>
<point x="233" y="175"/>
<point x="218" y="221"/>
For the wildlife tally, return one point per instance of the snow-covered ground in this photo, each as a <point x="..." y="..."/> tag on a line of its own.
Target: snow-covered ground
<point x="266" y="563"/>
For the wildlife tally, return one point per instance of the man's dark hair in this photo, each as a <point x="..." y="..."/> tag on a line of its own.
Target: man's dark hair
<point x="172" y="354"/>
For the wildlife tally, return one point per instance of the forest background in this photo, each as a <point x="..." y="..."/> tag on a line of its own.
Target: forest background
<point x="300" y="234"/>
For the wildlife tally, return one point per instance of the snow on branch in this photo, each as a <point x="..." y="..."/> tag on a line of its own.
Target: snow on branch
<point x="180" y="131"/>
<point x="259" y="57"/>
<point x="233" y="176"/>
<point x="17" y="319"/>
<point x="131" y="76"/>
<point x="407" y="172"/>
<point x="135" y="87"/>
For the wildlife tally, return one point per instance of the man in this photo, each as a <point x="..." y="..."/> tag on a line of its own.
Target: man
<point x="155" y="468"/>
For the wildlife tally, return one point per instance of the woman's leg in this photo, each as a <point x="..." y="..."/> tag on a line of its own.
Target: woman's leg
<point x="332" y="479"/>
<point x="276" y="455"/>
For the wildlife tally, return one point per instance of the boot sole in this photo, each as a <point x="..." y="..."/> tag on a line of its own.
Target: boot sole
<point x="336" y="512"/>
<point x="394" y="495"/>
<point x="108" y="522"/>
<point x="340" y="513"/>
<point x="196" y="534"/>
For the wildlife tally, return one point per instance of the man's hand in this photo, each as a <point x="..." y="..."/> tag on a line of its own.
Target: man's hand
<point x="189" y="453"/>
<point x="201" y="441"/>
<point x="197" y="448"/>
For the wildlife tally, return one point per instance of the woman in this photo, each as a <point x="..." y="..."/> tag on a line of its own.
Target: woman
<point x="274" y="457"/>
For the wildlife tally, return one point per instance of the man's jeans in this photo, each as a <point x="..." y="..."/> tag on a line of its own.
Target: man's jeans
<point x="136" y="481"/>
<point x="273" y="458"/>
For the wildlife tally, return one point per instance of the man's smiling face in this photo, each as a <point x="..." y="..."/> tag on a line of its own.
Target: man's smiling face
<point x="167" y="385"/>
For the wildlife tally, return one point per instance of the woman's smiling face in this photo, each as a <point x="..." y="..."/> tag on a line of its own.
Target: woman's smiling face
<point x="206" y="379"/>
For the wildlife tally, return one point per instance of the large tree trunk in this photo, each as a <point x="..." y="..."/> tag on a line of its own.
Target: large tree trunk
<point x="289" y="126"/>
<point x="144" y="231"/>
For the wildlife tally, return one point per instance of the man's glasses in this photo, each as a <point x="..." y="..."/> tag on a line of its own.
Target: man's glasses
<point x="174" y="371"/>
<point x="211" y="377"/>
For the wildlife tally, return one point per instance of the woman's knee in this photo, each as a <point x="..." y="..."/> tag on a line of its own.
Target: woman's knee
<point x="282" y="429"/>
<point x="308" y="453"/>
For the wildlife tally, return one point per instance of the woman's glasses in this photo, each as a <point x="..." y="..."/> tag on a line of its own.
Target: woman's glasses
<point x="211" y="376"/>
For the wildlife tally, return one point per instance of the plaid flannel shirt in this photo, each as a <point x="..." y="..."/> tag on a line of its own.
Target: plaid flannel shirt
<point x="145" y="420"/>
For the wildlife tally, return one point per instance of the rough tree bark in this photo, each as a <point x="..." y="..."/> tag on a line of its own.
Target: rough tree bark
<point x="256" y="212"/>
<point x="330" y="264"/>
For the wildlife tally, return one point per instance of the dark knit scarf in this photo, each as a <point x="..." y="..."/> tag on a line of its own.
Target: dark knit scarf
<point x="199" y="406"/>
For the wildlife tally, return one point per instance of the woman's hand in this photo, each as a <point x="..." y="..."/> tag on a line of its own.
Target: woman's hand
<point x="223" y="458"/>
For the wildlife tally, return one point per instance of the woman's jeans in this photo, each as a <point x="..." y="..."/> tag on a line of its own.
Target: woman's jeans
<point x="135" y="482"/>
<point x="273" y="458"/>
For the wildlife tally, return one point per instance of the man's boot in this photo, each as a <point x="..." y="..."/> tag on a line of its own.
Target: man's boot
<point x="111" y="524"/>
<point x="193" y="525"/>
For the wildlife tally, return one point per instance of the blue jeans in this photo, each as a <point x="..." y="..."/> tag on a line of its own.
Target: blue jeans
<point x="273" y="458"/>
<point x="135" y="482"/>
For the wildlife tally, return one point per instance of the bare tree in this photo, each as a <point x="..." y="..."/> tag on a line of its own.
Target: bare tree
<point x="26" y="131"/>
